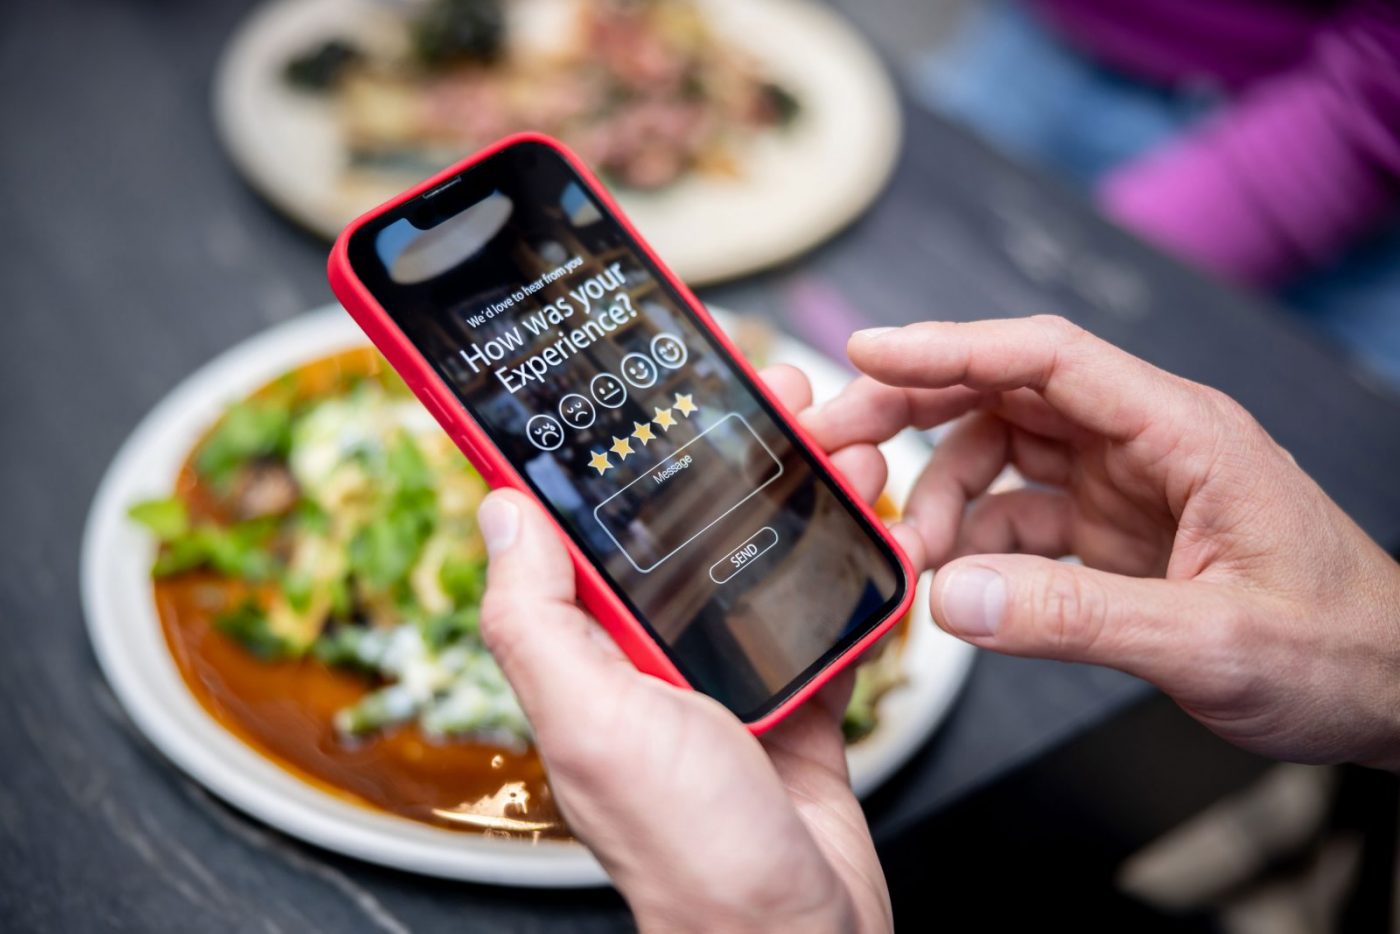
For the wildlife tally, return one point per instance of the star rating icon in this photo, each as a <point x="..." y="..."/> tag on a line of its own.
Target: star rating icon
<point x="642" y="432"/>
<point x="621" y="447"/>
<point x="664" y="418"/>
<point x="599" y="462"/>
<point x="685" y="404"/>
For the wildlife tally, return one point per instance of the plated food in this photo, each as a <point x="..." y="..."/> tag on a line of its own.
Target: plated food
<point x="318" y="665"/>
<point x="319" y="580"/>
<point x="737" y="132"/>
<point x="645" y="92"/>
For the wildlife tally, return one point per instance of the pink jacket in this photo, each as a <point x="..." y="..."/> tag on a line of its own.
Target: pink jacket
<point x="1305" y="159"/>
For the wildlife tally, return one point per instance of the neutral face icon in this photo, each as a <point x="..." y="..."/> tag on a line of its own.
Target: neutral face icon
<point x="608" y="391"/>
<point x="638" y="370"/>
<point x="577" y="411"/>
<point x="544" y="432"/>
<point x="669" y="350"/>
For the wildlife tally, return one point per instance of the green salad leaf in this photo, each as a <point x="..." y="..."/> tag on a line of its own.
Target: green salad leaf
<point x="310" y="517"/>
<point x="298" y="587"/>
<point x="406" y="467"/>
<point x="342" y="604"/>
<point x="384" y="550"/>
<point x="452" y="627"/>
<point x="342" y="647"/>
<point x="463" y="579"/>
<point x="167" y="519"/>
<point x="239" y="550"/>
<point x="248" y="625"/>
<point x="249" y="430"/>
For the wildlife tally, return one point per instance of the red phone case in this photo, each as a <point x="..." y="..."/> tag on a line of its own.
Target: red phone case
<point x="610" y="611"/>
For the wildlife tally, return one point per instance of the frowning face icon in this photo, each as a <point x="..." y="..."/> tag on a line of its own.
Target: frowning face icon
<point x="544" y="432"/>
<point x="638" y="370"/>
<point x="577" y="411"/>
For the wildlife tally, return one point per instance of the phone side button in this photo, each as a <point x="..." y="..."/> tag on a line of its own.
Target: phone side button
<point x="740" y="558"/>
<point x="473" y="453"/>
<point x="445" y="418"/>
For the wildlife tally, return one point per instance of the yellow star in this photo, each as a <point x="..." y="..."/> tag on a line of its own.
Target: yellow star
<point x="685" y="404"/>
<point x="621" y="447"/>
<point x="600" y="462"/>
<point x="643" y="432"/>
<point x="664" y="418"/>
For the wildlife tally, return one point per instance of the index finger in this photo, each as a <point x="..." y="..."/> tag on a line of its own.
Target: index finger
<point x="789" y="384"/>
<point x="1094" y="383"/>
<point x="870" y="412"/>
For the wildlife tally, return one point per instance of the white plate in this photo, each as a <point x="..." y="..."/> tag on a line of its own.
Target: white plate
<point x="126" y="634"/>
<point x="799" y="186"/>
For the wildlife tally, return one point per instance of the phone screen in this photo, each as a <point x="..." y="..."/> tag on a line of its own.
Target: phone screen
<point x="673" y="475"/>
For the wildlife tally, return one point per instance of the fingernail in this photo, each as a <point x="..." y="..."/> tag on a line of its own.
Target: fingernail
<point x="499" y="521"/>
<point x="873" y="332"/>
<point x="973" y="600"/>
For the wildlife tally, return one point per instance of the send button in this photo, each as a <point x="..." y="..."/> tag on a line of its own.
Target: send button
<point x="741" y="557"/>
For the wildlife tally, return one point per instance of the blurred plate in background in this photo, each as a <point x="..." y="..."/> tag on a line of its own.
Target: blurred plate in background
<point x="792" y="186"/>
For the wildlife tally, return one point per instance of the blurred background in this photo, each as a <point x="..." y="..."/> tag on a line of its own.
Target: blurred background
<point x="1211" y="186"/>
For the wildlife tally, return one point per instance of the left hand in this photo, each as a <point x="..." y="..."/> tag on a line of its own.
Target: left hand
<point x="1210" y="564"/>
<point x="700" y="825"/>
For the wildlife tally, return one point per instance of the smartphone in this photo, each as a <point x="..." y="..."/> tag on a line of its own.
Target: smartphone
<point x="710" y="537"/>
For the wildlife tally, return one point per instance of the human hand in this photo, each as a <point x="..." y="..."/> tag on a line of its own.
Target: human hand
<point x="700" y="825"/>
<point x="1213" y="566"/>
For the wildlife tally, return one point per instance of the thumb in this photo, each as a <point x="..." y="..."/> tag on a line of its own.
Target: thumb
<point x="550" y="651"/>
<point x="1024" y="605"/>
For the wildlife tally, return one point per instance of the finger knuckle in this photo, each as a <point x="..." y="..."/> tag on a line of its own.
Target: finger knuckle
<point x="1233" y="423"/>
<point x="1069" y="344"/>
<point x="1224" y="659"/>
<point x="1059" y="328"/>
<point x="1222" y="406"/>
<point x="498" y="613"/>
<point x="1226" y="431"/>
<point x="1225" y="643"/>
<point x="1072" y="611"/>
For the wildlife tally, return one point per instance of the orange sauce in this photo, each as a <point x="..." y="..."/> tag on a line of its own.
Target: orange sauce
<point x="284" y="709"/>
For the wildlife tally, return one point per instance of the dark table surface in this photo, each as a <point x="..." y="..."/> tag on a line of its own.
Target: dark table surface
<point x="130" y="253"/>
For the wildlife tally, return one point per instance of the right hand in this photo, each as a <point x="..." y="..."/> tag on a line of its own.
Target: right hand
<point x="1213" y="566"/>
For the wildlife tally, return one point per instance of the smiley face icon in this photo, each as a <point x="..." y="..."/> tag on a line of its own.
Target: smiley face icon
<point x="544" y="432"/>
<point x="638" y="370"/>
<point x="608" y="391"/>
<point x="577" y="411"/>
<point x="669" y="350"/>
